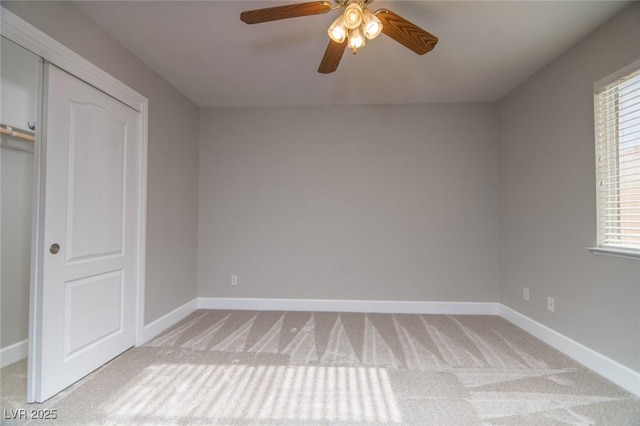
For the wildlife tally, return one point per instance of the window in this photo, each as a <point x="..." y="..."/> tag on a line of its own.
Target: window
<point x="617" y="130"/>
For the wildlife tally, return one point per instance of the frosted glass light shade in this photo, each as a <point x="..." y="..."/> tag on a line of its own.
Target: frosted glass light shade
<point x="372" y="25"/>
<point x="337" y="31"/>
<point x="353" y="16"/>
<point x="356" y="39"/>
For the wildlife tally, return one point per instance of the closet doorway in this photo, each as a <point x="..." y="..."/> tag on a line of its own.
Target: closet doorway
<point x="20" y="74"/>
<point x="86" y="293"/>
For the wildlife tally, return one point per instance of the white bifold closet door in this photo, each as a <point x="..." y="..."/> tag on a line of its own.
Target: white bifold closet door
<point x="91" y="231"/>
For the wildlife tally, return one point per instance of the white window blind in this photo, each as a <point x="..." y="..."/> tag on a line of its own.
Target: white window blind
<point x="617" y="114"/>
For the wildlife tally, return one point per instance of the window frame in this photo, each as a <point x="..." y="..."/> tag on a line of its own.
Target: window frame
<point x="599" y="248"/>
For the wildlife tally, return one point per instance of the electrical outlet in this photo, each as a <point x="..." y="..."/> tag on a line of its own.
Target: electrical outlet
<point x="234" y="280"/>
<point x="551" y="304"/>
<point x="525" y="294"/>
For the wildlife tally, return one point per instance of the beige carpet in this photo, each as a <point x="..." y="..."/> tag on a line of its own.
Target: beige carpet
<point x="285" y="368"/>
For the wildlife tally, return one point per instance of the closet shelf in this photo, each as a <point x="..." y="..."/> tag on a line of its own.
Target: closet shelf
<point x="17" y="133"/>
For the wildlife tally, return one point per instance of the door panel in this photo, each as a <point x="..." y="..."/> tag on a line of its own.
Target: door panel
<point x="91" y="212"/>
<point x="97" y="154"/>
<point x="89" y="320"/>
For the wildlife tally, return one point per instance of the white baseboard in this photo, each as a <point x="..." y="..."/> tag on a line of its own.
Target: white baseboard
<point x="329" y="305"/>
<point x="622" y="376"/>
<point x="156" y="327"/>
<point x="13" y="353"/>
<point x="619" y="374"/>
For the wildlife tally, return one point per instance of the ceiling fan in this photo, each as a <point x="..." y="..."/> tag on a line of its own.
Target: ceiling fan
<point x="353" y="27"/>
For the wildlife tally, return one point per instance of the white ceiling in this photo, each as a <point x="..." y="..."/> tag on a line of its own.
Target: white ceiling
<point x="485" y="50"/>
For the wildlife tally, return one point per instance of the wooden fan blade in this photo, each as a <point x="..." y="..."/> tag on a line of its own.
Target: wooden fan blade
<point x="332" y="57"/>
<point x="406" y="33"/>
<point x="283" y="12"/>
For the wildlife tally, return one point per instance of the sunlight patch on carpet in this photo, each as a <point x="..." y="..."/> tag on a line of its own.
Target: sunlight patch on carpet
<point x="262" y="392"/>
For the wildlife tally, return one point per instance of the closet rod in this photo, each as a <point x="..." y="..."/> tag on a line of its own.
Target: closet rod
<point x="20" y="134"/>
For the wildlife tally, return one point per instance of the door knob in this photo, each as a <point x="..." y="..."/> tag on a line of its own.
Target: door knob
<point x="55" y="248"/>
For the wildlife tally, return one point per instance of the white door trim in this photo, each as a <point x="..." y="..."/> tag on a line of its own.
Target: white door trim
<point x="31" y="38"/>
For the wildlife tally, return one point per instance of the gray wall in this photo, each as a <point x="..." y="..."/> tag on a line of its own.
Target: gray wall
<point x="173" y="152"/>
<point x="360" y="202"/>
<point x="548" y="200"/>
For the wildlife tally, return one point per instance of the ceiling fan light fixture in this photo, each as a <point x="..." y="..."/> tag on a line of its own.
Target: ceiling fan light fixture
<point x="355" y="25"/>
<point x="353" y="16"/>
<point x="337" y="31"/>
<point x="372" y="25"/>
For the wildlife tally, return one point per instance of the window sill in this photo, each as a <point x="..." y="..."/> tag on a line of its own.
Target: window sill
<point x="617" y="252"/>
